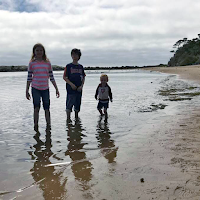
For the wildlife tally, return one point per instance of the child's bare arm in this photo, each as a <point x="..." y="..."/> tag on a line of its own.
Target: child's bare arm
<point x="56" y="88"/>
<point x="27" y="90"/>
<point x="81" y="87"/>
<point x="68" y="81"/>
<point x="53" y="81"/>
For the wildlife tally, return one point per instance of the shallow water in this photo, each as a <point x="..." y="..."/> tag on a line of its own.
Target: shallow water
<point x="80" y="159"/>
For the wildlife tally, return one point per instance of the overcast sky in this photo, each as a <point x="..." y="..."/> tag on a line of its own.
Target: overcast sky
<point x="109" y="33"/>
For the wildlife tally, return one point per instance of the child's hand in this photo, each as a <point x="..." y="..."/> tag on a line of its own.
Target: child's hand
<point x="80" y="88"/>
<point x="73" y="87"/>
<point x="57" y="94"/>
<point x="28" y="96"/>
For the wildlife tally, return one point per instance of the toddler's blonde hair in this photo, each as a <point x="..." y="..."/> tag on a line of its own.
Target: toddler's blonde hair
<point x="104" y="75"/>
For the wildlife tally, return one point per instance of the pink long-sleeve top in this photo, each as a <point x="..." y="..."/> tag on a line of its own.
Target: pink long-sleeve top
<point x="39" y="73"/>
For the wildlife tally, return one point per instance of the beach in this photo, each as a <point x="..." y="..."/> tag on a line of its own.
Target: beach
<point x="148" y="149"/>
<point x="176" y="147"/>
<point x="191" y="72"/>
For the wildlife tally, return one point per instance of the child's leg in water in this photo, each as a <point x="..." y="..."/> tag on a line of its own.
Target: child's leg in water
<point x="100" y="111"/>
<point x="76" y="114"/>
<point x="36" y="118"/>
<point x="68" y="114"/>
<point x="105" y="112"/>
<point x="48" y="119"/>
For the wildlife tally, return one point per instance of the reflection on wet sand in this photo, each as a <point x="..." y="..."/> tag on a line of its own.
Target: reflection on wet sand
<point x="49" y="180"/>
<point x="105" y="142"/>
<point x="81" y="166"/>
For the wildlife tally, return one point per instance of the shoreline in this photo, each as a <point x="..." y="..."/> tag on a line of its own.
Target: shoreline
<point x="175" y="146"/>
<point x="190" y="72"/>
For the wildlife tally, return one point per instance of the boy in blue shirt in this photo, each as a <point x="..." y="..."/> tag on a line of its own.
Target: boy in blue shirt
<point x="74" y="76"/>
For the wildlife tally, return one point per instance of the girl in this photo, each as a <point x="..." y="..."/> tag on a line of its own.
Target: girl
<point x="39" y="72"/>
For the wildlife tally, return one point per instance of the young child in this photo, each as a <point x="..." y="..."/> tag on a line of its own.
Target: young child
<point x="103" y="92"/>
<point x="39" y="72"/>
<point x="74" y="76"/>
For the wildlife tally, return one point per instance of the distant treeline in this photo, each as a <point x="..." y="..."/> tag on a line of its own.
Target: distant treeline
<point x="186" y="52"/>
<point x="60" y="68"/>
<point x="23" y="68"/>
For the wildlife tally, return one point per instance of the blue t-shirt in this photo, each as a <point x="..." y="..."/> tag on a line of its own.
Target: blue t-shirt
<point x="76" y="74"/>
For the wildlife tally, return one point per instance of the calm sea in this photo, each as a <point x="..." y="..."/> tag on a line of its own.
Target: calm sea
<point x="78" y="160"/>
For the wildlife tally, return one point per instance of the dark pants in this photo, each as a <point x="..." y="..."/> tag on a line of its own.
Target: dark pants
<point x="102" y="105"/>
<point x="74" y="100"/>
<point x="37" y="95"/>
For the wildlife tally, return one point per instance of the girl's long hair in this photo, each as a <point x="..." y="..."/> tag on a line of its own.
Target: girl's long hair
<point x="44" y="57"/>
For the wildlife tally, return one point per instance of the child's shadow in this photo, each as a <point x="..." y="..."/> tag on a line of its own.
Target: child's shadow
<point x="81" y="166"/>
<point x="105" y="142"/>
<point x="44" y="175"/>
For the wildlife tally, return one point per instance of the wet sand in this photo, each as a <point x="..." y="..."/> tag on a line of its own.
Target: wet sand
<point x="171" y="165"/>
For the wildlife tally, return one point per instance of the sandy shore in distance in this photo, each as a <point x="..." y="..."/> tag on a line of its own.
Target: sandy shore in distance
<point x="174" y="150"/>
<point x="186" y="72"/>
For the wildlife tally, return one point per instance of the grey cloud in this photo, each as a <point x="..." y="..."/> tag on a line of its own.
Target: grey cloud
<point x="109" y="33"/>
<point x="18" y="6"/>
<point x="139" y="57"/>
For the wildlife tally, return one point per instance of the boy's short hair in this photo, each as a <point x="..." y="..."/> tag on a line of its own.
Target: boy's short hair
<point x="76" y="51"/>
<point x="104" y="75"/>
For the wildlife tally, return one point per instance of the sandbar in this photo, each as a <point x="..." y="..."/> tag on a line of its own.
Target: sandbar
<point x="191" y="72"/>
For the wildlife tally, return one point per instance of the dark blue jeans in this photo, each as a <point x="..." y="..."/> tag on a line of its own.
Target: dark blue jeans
<point x="37" y="95"/>
<point x="74" y="100"/>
